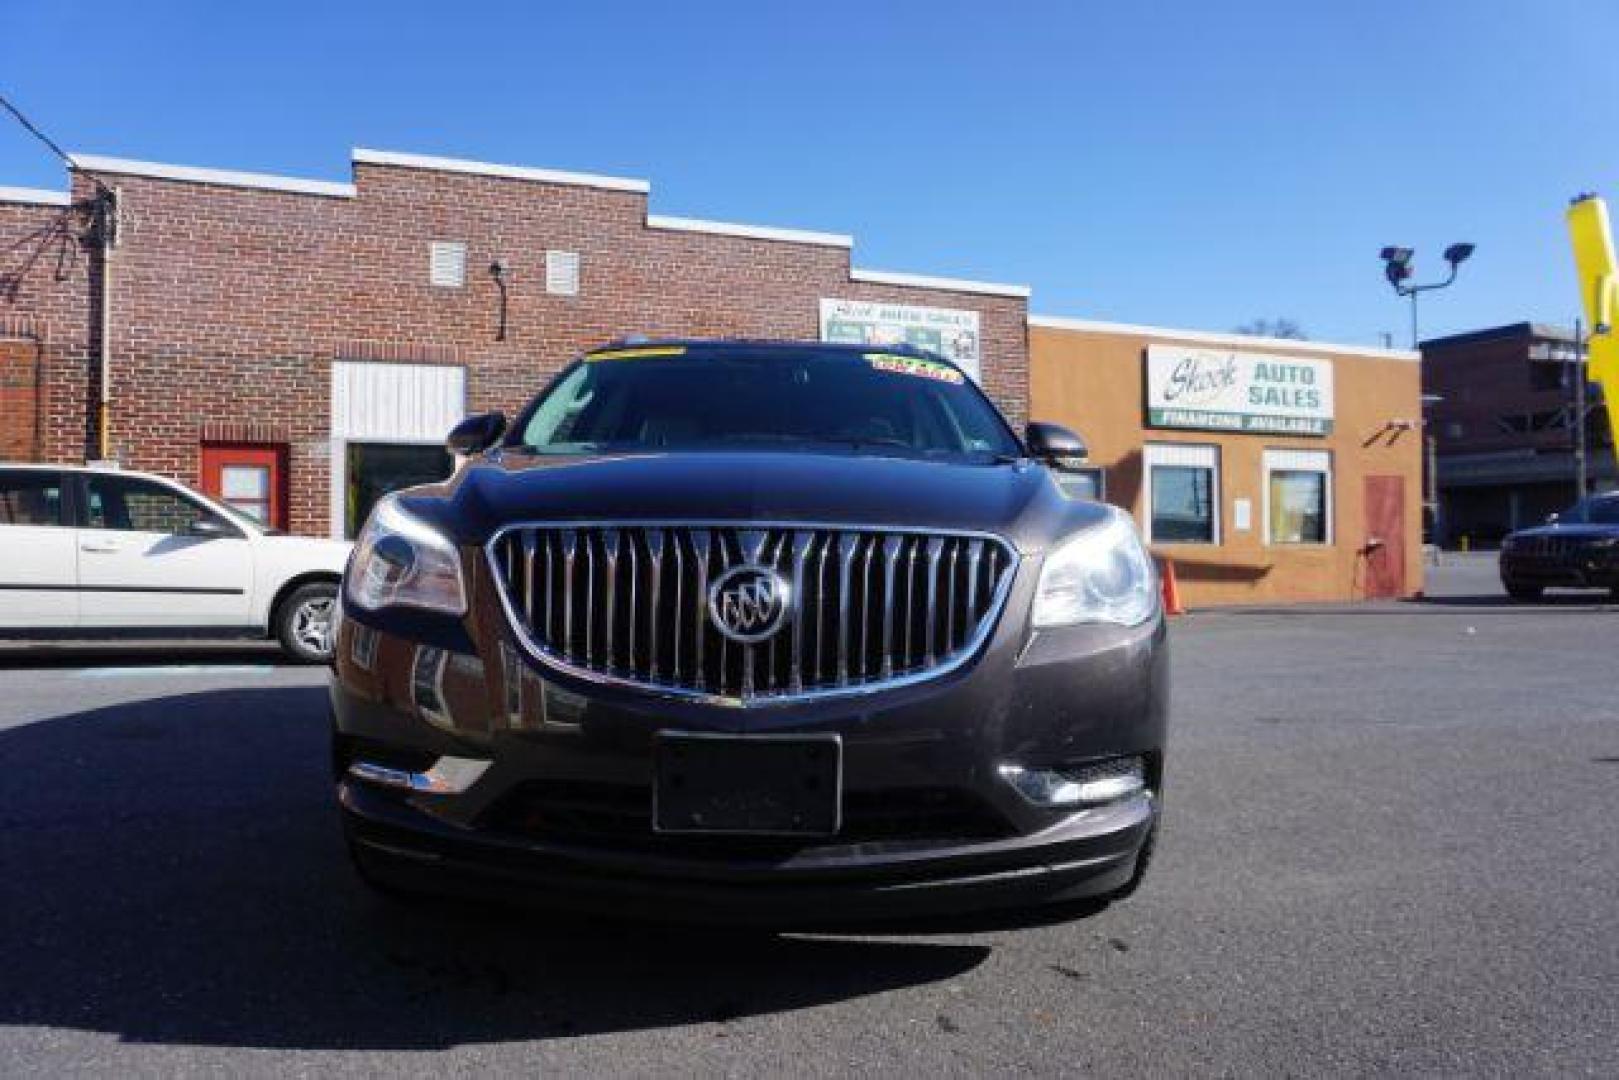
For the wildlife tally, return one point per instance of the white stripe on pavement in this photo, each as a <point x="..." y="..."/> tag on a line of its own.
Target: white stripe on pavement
<point x="167" y="670"/>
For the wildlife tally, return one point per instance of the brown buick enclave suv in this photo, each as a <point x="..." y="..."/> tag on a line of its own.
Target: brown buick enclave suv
<point x="752" y="631"/>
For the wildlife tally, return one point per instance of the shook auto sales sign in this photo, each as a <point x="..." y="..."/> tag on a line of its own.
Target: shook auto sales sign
<point x="1222" y="390"/>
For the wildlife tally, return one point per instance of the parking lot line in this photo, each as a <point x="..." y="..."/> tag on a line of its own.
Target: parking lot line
<point x="170" y="670"/>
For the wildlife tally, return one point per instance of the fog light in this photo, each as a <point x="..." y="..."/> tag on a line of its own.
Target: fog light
<point x="1077" y="785"/>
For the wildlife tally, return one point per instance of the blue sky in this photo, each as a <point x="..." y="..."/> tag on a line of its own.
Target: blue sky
<point x="1186" y="164"/>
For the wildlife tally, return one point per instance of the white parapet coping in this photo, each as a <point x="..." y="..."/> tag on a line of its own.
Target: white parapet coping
<point x="508" y="172"/>
<point x="114" y="166"/>
<point x="190" y="174"/>
<point x="1206" y="337"/>
<point x="926" y="281"/>
<point x="752" y="232"/>
<point x="34" y="196"/>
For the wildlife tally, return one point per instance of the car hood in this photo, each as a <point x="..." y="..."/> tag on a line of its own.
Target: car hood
<point x="1016" y="500"/>
<point x="1567" y="532"/>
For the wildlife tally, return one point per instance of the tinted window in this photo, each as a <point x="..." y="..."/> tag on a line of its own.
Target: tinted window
<point x="28" y="497"/>
<point x="122" y="502"/>
<point x="799" y="399"/>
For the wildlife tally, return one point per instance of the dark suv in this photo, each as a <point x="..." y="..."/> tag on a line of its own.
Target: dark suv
<point x="752" y="631"/>
<point x="1578" y="548"/>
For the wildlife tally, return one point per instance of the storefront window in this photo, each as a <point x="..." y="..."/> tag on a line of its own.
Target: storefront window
<point x="1298" y="493"/>
<point x="1183" y="494"/>
<point x="375" y="469"/>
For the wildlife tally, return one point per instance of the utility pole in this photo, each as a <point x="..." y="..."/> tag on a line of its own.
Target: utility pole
<point x="1581" y="463"/>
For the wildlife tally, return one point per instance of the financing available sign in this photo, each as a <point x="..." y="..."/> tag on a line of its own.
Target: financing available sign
<point x="951" y="333"/>
<point x="1222" y="390"/>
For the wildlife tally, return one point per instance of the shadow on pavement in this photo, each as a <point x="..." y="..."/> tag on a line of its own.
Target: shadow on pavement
<point x="1584" y="601"/>
<point x="1488" y="604"/>
<point x="89" y="654"/>
<point x="174" y="874"/>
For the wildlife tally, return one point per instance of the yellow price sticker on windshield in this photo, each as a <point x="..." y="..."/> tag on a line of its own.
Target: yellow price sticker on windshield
<point x="914" y="365"/>
<point x="644" y="353"/>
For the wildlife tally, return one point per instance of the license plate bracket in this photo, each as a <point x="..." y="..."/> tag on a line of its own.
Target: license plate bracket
<point x="747" y="785"/>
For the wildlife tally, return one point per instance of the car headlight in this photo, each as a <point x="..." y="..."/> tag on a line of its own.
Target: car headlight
<point x="401" y="561"/>
<point x="1103" y="575"/>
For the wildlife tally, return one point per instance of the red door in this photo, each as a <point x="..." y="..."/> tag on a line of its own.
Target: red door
<point x="251" y="477"/>
<point x="1385" y="537"/>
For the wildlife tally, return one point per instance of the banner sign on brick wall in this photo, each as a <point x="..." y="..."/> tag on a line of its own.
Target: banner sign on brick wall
<point x="1222" y="390"/>
<point x="951" y="333"/>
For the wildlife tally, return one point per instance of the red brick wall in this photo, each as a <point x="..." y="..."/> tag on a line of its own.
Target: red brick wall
<point x="19" y="401"/>
<point x="46" y="274"/>
<point x="229" y="304"/>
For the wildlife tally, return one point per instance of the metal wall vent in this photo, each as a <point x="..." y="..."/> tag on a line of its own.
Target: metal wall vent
<point x="447" y="264"/>
<point x="562" y="273"/>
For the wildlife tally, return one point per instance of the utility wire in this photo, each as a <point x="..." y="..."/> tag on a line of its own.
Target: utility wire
<point x="67" y="159"/>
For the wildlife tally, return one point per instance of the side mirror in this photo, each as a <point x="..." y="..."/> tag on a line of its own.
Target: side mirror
<point x="210" y="528"/>
<point x="1052" y="443"/>
<point x="476" y="433"/>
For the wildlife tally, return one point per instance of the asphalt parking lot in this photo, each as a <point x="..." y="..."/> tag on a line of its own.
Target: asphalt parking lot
<point x="1391" y="847"/>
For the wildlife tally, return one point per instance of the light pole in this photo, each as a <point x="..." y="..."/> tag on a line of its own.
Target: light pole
<point x="1430" y="446"/>
<point x="1397" y="268"/>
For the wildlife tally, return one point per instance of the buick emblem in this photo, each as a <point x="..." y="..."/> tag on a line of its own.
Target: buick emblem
<point x="749" y="603"/>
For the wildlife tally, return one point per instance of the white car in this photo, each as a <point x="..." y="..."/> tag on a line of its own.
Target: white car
<point x="93" y="552"/>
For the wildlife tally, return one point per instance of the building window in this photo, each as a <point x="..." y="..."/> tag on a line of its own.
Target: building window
<point x="447" y="264"/>
<point x="1183" y="493"/>
<point x="1298" y="497"/>
<point x="250" y="477"/>
<point x="1083" y="482"/>
<point x="1544" y="376"/>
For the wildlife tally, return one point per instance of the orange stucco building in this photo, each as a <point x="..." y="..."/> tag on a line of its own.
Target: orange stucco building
<point x="1267" y="470"/>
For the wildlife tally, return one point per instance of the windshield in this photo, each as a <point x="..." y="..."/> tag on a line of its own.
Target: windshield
<point x="678" y="398"/>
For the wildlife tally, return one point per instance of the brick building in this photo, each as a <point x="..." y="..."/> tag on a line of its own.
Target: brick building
<point x="298" y="346"/>
<point x="1501" y="410"/>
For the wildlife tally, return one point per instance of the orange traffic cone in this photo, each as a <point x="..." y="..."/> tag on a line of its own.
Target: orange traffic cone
<point x="1172" y="592"/>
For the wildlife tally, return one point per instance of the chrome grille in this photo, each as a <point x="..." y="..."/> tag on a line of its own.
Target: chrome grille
<point x="1549" y="547"/>
<point x="629" y="603"/>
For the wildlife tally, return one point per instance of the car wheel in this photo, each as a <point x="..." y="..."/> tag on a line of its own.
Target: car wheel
<point x="303" y="622"/>
<point x="1525" y="592"/>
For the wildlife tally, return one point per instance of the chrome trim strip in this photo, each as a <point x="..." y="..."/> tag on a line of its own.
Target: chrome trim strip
<point x="969" y="651"/>
<point x="448" y="775"/>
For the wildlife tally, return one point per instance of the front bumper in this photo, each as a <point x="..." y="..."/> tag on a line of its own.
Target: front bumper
<point x="401" y="847"/>
<point x="930" y="825"/>
<point x="1575" y="570"/>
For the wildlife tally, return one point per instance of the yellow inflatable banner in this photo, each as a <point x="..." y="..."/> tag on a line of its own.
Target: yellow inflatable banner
<point x="1599" y="286"/>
